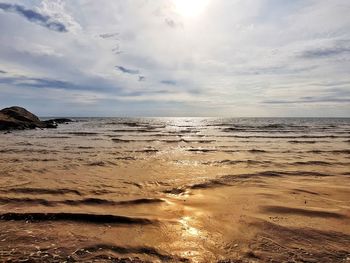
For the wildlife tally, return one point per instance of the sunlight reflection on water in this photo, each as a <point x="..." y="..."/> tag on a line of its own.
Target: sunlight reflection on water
<point x="185" y="222"/>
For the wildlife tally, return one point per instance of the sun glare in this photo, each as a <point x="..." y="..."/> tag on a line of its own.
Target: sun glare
<point x="190" y="8"/>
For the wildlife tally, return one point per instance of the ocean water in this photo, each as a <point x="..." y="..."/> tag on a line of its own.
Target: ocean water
<point x="99" y="181"/>
<point x="152" y="154"/>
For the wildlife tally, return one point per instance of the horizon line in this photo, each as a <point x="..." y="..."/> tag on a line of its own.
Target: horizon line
<point x="226" y="117"/>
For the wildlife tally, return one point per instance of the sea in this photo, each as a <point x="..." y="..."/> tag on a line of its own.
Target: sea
<point x="100" y="189"/>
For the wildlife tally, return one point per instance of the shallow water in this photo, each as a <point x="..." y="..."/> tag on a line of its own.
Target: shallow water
<point x="159" y="189"/>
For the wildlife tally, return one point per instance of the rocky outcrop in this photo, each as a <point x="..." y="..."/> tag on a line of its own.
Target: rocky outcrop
<point x="18" y="118"/>
<point x="58" y="121"/>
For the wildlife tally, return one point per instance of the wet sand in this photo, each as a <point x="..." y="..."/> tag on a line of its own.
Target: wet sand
<point x="177" y="190"/>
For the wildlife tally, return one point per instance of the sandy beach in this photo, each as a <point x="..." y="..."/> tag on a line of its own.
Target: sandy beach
<point x="177" y="190"/>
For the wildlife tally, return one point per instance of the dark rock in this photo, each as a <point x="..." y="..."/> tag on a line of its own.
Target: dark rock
<point x="62" y="120"/>
<point x="49" y="124"/>
<point x="20" y="114"/>
<point x="17" y="118"/>
<point x="58" y="121"/>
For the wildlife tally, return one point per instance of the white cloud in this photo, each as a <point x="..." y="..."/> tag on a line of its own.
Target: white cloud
<point x="230" y="59"/>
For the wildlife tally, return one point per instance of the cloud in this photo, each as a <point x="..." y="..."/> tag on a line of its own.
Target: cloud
<point x="169" y="82"/>
<point x="291" y="55"/>
<point x="170" y="22"/>
<point x="50" y="83"/>
<point x="127" y="70"/>
<point x="3" y="72"/>
<point x="54" y="84"/>
<point x="326" y="52"/>
<point x="34" y="17"/>
<point x="309" y="99"/>
<point x="109" y="35"/>
<point x="22" y="81"/>
<point x="275" y="70"/>
<point x="327" y="48"/>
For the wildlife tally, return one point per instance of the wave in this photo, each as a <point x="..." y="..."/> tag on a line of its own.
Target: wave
<point x="125" y="140"/>
<point x="141" y="201"/>
<point x="256" y="151"/>
<point x="100" y="163"/>
<point x="138" y="124"/>
<point x="24" y="144"/>
<point x="345" y="151"/>
<point x="133" y="130"/>
<point x="298" y="244"/>
<point x="187" y="141"/>
<point x="266" y="126"/>
<point x="173" y="141"/>
<point x="147" y="151"/>
<point x="204" y="150"/>
<point x="85" y="147"/>
<point x="96" y="201"/>
<point x="209" y="184"/>
<point x="271" y="131"/>
<point x="321" y="163"/>
<point x="55" y="137"/>
<point x="126" y="158"/>
<point x="161" y="135"/>
<point x="40" y="160"/>
<point x="255" y="162"/>
<point x="86" y="201"/>
<point x="201" y="150"/>
<point x="120" y="140"/>
<point x="279" y="174"/>
<point x="304" y="191"/>
<point x="81" y="133"/>
<point x="199" y="141"/>
<point x="282" y="137"/>
<point x="97" y="251"/>
<point x="25" y="201"/>
<point x="41" y="191"/>
<point x="228" y="130"/>
<point x="308" y="142"/>
<point x="184" y="131"/>
<point x="228" y="180"/>
<point x="29" y="150"/>
<point x="134" y="184"/>
<point x="101" y="192"/>
<point x="117" y="140"/>
<point x="233" y="162"/>
<point x="302" y="212"/>
<point x="75" y="217"/>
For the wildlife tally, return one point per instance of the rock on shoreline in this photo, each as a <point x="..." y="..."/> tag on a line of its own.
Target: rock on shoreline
<point x="18" y="118"/>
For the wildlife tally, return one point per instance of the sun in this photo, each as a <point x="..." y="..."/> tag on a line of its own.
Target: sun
<point x="190" y="8"/>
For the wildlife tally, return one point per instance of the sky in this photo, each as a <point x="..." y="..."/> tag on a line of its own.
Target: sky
<point x="230" y="58"/>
